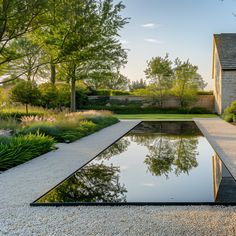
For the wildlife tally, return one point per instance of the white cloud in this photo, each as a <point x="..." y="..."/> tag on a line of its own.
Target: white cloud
<point x="151" y="40"/>
<point x="149" y="25"/>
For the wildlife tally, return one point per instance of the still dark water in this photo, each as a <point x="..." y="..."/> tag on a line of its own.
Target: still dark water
<point x="156" y="162"/>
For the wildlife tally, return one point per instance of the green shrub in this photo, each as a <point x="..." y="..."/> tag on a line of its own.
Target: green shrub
<point x="198" y="110"/>
<point x="17" y="150"/>
<point x="228" y="117"/>
<point x="103" y="121"/>
<point x="103" y="92"/>
<point x="119" y="92"/>
<point x="229" y="112"/>
<point x="44" y="129"/>
<point x="81" y="98"/>
<point x="63" y="99"/>
<point x="100" y="101"/>
<point x="231" y="109"/>
<point x="5" y="140"/>
<point x="72" y="127"/>
<point x="9" y="123"/>
<point x="110" y="92"/>
<point x="25" y="92"/>
<point x="205" y="93"/>
<point x="48" y="95"/>
<point x="146" y="92"/>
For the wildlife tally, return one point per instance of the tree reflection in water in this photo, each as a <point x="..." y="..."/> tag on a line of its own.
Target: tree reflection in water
<point x="171" y="148"/>
<point x="169" y="153"/>
<point x="93" y="183"/>
<point x="117" y="148"/>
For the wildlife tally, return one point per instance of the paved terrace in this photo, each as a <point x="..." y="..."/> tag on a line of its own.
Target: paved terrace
<point x="222" y="137"/>
<point x="21" y="185"/>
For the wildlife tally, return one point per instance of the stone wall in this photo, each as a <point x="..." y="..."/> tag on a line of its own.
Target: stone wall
<point x="216" y="76"/>
<point x="228" y="88"/>
<point x="224" y="84"/>
<point x="203" y="101"/>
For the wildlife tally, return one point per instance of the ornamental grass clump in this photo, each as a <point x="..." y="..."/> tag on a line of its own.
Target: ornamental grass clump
<point x="68" y="127"/>
<point x="9" y="124"/>
<point x="19" y="149"/>
<point x="27" y="120"/>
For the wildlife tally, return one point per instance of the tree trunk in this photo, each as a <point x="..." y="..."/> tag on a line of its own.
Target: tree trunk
<point x="53" y="73"/>
<point x="26" y="108"/>
<point x="73" y="95"/>
<point x="161" y="100"/>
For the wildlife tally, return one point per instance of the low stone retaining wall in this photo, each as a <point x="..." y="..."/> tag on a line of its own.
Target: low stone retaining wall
<point x="203" y="101"/>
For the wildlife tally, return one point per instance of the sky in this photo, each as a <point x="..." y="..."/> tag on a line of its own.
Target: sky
<point x="181" y="28"/>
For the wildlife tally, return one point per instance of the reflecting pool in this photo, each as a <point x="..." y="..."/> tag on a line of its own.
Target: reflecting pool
<point x="155" y="163"/>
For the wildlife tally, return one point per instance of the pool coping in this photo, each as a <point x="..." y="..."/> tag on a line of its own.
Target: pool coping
<point x="215" y="145"/>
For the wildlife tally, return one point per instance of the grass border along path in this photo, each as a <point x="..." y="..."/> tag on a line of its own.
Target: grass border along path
<point x="163" y="116"/>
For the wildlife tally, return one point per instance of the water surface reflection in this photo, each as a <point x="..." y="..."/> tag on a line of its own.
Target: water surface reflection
<point x="155" y="162"/>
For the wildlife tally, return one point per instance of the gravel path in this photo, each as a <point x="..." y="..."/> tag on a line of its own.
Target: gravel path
<point x="21" y="185"/>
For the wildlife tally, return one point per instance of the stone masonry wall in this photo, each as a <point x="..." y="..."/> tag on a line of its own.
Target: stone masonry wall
<point x="203" y="101"/>
<point x="217" y="75"/>
<point x="228" y="88"/>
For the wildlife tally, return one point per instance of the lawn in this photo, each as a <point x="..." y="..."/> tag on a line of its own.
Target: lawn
<point x="163" y="116"/>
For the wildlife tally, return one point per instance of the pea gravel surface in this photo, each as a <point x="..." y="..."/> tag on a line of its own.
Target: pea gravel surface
<point x="23" y="184"/>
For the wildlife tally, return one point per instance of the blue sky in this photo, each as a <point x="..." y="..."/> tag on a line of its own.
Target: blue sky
<point x="182" y="28"/>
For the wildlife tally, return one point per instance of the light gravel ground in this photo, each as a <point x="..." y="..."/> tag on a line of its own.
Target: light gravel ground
<point x="21" y="185"/>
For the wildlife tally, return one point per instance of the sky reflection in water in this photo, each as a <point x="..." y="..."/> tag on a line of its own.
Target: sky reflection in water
<point x="155" y="162"/>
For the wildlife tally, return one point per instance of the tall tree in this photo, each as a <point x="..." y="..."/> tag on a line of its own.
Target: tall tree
<point x="17" y="17"/>
<point x="50" y="36"/>
<point x="93" y="45"/>
<point x="108" y="80"/>
<point x="139" y="84"/>
<point x="82" y="36"/>
<point x="201" y="83"/>
<point x="186" y="83"/>
<point x="160" y="72"/>
<point x="29" y="62"/>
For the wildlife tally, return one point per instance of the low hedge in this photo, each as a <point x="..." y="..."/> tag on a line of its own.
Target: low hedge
<point x="205" y="92"/>
<point x="148" y="110"/>
<point x="17" y="150"/>
<point x="110" y="92"/>
<point x="119" y="92"/>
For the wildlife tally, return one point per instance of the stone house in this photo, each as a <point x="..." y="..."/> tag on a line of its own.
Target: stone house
<point x="224" y="70"/>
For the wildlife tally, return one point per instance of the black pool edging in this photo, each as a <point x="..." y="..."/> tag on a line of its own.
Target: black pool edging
<point x="34" y="202"/>
<point x="132" y="204"/>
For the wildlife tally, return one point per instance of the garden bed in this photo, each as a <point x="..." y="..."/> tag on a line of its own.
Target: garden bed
<point x="33" y="136"/>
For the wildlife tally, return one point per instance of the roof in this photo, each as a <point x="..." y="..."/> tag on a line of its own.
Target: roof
<point x="226" y="47"/>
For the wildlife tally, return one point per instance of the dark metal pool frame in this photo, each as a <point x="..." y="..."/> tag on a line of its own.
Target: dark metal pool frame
<point x="58" y="204"/>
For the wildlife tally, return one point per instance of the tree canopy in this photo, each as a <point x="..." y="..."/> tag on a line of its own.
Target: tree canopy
<point x="75" y="38"/>
<point x="160" y="72"/>
<point x="180" y="79"/>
